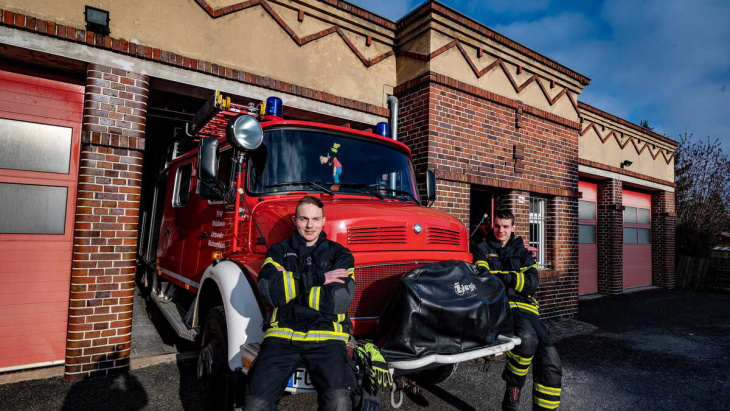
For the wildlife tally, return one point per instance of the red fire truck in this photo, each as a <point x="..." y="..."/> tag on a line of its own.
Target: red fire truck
<point x="217" y="208"/>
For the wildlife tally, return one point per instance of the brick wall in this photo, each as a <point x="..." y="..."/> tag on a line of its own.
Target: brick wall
<point x="468" y="139"/>
<point x="453" y="197"/>
<point x="663" y="225"/>
<point x="105" y="236"/>
<point x="610" y="237"/>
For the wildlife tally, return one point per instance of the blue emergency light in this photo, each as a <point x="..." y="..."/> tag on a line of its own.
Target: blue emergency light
<point x="383" y="129"/>
<point x="273" y="107"/>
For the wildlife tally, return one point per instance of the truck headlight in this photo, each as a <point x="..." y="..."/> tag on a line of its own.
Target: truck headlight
<point x="244" y="132"/>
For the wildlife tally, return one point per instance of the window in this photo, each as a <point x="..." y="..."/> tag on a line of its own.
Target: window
<point x="538" y="212"/>
<point x="586" y="234"/>
<point x="182" y="185"/>
<point x="34" y="147"/>
<point x="587" y="222"/>
<point x="32" y="209"/>
<point x="637" y="225"/>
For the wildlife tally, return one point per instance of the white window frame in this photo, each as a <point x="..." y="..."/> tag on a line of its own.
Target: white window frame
<point x="538" y="229"/>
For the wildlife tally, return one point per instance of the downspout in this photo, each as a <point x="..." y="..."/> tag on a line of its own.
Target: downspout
<point x="393" y="103"/>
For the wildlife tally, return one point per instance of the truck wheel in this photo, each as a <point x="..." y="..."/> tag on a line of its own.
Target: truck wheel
<point x="214" y="375"/>
<point x="435" y="375"/>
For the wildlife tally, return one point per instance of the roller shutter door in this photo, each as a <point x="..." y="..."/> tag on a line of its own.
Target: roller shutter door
<point x="40" y="128"/>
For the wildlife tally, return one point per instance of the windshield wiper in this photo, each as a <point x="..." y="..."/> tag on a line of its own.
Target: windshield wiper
<point x="408" y="193"/>
<point x="365" y="186"/>
<point x="302" y="183"/>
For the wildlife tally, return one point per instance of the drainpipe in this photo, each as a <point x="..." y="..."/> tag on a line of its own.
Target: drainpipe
<point x="393" y="103"/>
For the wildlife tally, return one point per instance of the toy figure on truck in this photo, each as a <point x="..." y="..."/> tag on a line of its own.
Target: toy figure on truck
<point x="219" y="207"/>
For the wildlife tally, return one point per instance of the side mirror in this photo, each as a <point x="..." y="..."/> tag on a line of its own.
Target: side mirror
<point x="208" y="159"/>
<point x="209" y="188"/>
<point x="430" y="187"/>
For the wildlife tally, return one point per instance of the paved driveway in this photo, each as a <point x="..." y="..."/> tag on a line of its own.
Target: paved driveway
<point x="653" y="349"/>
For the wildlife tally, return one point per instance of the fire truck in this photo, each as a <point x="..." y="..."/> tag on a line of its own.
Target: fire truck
<point x="219" y="206"/>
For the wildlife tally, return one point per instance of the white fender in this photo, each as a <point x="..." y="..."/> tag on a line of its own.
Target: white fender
<point x="243" y="315"/>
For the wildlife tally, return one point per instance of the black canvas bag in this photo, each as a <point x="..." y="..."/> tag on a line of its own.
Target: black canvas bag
<point x="443" y="308"/>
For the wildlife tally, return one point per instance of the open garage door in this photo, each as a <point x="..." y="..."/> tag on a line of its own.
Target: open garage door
<point x="40" y="128"/>
<point x="637" y="239"/>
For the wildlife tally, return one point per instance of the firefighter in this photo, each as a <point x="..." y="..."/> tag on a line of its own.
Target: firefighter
<point x="504" y="255"/>
<point x="308" y="281"/>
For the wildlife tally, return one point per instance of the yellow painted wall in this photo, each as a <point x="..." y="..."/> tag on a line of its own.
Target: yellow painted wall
<point x="610" y="153"/>
<point x="249" y="40"/>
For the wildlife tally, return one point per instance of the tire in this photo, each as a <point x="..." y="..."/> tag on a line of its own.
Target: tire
<point x="216" y="379"/>
<point x="436" y="375"/>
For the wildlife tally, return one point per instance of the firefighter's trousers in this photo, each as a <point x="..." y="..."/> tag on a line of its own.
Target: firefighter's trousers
<point x="536" y="350"/>
<point x="332" y="373"/>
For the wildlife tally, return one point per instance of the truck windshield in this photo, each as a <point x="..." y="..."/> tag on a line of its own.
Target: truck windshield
<point x="308" y="160"/>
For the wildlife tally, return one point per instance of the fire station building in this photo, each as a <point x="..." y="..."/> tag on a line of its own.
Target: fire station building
<point x="92" y="100"/>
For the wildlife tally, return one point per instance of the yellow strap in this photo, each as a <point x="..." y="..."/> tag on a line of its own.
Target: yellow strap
<point x="517" y="371"/>
<point x="523" y="306"/>
<point x="274" y="322"/>
<point x="351" y="273"/>
<point x="518" y="359"/>
<point x="271" y="261"/>
<point x="290" y="290"/>
<point x="520" y="282"/>
<point x="314" y="297"/>
<point x="548" y="390"/>
<point x="546" y="403"/>
<point x="340" y="318"/>
<point x="312" y="335"/>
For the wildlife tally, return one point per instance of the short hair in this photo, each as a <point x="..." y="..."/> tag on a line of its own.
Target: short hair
<point x="310" y="200"/>
<point x="505" y="214"/>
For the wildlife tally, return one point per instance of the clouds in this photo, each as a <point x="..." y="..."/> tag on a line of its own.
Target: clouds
<point x="667" y="62"/>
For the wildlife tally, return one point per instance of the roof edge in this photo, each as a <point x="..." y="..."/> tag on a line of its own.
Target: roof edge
<point x="360" y="12"/>
<point x="457" y="16"/>
<point x="626" y="123"/>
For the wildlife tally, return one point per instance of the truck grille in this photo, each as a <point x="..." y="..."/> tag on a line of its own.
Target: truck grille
<point x="443" y="236"/>
<point x="375" y="285"/>
<point x="377" y="235"/>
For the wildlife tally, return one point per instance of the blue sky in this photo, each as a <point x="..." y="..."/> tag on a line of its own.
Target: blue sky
<point x="664" y="61"/>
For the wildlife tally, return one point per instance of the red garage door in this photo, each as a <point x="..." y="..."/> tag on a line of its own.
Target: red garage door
<point x="40" y="124"/>
<point x="637" y="239"/>
<point x="587" y="249"/>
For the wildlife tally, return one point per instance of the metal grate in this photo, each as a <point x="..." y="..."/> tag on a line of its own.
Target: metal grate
<point x="375" y="285"/>
<point x="377" y="235"/>
<point x="443" y="236"/>
<point x="538" y="211"/>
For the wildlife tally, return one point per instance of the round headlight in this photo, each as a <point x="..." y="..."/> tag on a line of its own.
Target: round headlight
<point x="244" y="132"/>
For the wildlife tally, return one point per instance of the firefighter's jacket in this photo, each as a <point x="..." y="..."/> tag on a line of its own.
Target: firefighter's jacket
<point x="514" y="264"/>
<point x="291" y="282"/>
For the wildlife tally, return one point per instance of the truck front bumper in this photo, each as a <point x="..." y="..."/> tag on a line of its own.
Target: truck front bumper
<point x="502" y="345"/>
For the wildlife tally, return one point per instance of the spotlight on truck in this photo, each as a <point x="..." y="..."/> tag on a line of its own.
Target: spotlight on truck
<point x="244" y="132"/>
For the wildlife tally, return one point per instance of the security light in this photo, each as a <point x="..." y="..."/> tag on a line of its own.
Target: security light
<point x="97" y="20"/>
<point x="626" y="163"/>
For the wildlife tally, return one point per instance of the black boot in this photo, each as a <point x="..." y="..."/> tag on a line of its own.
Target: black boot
<point x="511" y="401"/>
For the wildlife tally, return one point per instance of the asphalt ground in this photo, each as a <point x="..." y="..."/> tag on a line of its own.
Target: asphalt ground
<point x="647" y="350"/>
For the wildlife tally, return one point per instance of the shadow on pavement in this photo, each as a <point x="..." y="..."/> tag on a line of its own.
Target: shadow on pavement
<point x="119" y="392"/>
